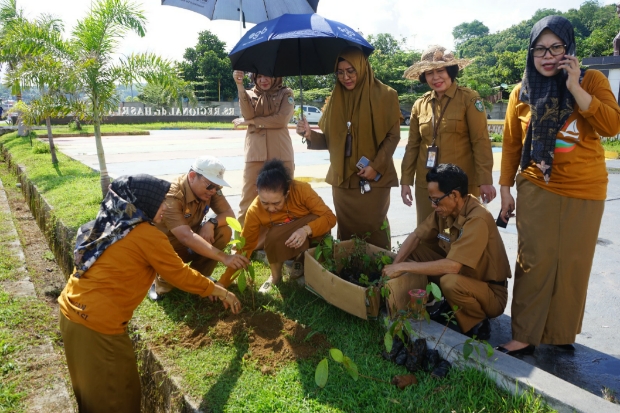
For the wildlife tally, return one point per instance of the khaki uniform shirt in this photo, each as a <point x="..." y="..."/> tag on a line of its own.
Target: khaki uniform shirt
<point x="462" y="137"/>
<point x="269" y="137"/>
<point x="471" y="239"/>
<point x="183" y="208"/>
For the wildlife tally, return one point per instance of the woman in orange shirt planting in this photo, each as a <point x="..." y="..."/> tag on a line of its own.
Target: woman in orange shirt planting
<point x="291" y="211"/>
<point x="116" y="258"/>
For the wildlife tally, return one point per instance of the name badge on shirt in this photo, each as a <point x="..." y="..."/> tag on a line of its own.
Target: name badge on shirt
<point x="432" y="156"/>
<point x="187" y="214"/>
<point x="443" y="237"/>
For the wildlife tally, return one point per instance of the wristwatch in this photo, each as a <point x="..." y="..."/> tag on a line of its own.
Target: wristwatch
<point x="213" y="220"/>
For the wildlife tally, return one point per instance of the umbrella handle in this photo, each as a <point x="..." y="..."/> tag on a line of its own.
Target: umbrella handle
<point x="301" y="90"/>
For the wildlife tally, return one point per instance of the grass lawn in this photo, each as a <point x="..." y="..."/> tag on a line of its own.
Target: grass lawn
<point x="137" y="127"/>
<point x="223" y="371"/>
<point x="612" y="145"/>
<point x="222" y="374"/>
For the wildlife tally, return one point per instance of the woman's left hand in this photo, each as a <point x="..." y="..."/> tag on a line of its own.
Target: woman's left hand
<point x="240" y="122"/>
<point x="487" y="193"/>
<point x="296" y="239"/>
<point x="573" y="70"/>
<point x="367" y="173"/>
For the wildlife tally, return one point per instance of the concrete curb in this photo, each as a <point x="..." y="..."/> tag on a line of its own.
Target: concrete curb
<point x="513" y="374"/>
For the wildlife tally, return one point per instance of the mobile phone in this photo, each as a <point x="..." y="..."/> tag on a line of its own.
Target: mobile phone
<point x="363" y="163"/>
<point x="500" y="222"/>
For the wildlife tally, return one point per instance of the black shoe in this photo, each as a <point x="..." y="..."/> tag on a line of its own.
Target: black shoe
<point x="482" y="330"/>
<point x="565" y="347"/>
<point x="525" y="351"/>
<point x="438" y="314"/>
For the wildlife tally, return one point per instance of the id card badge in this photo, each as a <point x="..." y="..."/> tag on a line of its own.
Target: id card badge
<point x="432" y="156"/>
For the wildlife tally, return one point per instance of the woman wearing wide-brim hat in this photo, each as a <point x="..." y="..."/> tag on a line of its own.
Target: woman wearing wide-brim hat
<point x="448" y="125"/>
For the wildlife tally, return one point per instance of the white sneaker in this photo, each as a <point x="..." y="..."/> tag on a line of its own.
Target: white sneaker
<point x="266" y="287"/>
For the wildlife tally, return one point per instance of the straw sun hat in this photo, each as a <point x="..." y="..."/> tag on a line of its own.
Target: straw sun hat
<point x="434" y="58"/>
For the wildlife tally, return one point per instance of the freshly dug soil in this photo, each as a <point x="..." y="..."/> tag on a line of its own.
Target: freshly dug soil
<point x="272" y="339"/>
<point x="352" y="275"/>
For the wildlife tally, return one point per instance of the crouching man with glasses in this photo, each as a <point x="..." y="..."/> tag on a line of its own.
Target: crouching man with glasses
<point x="462" y="251"/>
<point x="196" y="237"/>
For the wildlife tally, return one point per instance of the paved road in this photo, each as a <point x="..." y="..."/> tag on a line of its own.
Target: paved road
<point x="596" y="362"/>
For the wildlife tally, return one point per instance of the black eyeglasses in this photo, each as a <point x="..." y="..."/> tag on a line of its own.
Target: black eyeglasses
<point x="554" y="50"/>
<point x="438" y="200"/>
<point x="211" y="185"/>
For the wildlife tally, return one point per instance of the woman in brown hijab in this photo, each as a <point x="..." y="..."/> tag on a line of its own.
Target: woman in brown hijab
<point x="266" y="110"/>
<point x="361" y="120"/>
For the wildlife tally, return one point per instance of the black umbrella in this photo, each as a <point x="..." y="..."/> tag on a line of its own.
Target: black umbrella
<point x="295" y="44"/>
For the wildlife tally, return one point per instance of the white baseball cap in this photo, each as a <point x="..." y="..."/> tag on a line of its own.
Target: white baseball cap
<point x="211" y="168"/>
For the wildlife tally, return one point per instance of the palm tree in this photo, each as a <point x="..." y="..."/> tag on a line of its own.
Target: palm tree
<point x="90" y="53"/>
<point x="10" y="16"/>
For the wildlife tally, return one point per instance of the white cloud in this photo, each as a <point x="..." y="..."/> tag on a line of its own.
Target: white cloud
<point x="171" y="30"/>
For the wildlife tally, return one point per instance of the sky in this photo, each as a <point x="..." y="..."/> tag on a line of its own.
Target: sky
<point x="170" y="30"/>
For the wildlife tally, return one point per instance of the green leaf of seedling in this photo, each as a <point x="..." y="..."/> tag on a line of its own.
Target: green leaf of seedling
<point x="328" y="242"/>
<point x="241" y="282"/>
<point x="235" y="275"/>
<point x="401" y="335"/>
<point x="351" y="368"/>
<point x="251" y="272"/>
<point x="455" y="308"/>
<point x="321" y="373"/>
<point x="489" y="349"/>
<point x="234" y="224"/>
<point x="384" y="225"/>
<point x="386" y="259"/>
<point x="436" y="290"/>
<point x="427" y="316"/>
<point x="408" y="328"/>
<point x="467" y="349"/>
<point x="317" y="253"/>
<point x="241" y="243"/>
<point x="386" y="321"/>
<point x="234" y="241"/>
<point x="388" y="341"/>
<point x="336" y="355"/>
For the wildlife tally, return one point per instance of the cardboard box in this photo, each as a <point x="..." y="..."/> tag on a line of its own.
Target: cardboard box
<point x="352" y="298"/>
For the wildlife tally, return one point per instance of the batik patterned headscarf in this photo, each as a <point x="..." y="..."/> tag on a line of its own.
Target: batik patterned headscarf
<point x="130" y="201"/>
<point x="548" y="97"/>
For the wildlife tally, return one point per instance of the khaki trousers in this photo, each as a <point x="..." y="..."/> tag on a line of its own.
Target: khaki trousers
<point x="557" y="238"/>
<point x="476" y="299"/>
<point x="423" y="205"/>
<point x="276" y="236"/>
<point x="103" y="369"/>
<point x="202" y="264"/>
<point x="249" y="193"/>
<point x="363" y="214"/>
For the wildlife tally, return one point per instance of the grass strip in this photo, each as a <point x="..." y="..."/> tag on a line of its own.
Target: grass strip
<point x="136" y="127"/>
<point x="71" y="187"/>
<point x="224" y="379"/>
<point x="222" y="375"/>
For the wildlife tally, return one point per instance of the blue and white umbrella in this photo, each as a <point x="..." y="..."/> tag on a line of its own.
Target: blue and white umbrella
<point x="254" y="11"/>
<point x="295" y="44"/>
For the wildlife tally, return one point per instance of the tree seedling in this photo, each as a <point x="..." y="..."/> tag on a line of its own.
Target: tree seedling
<point x="241" y="275"/>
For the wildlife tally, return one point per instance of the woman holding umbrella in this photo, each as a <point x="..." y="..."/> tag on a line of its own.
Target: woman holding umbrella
<point x="267" y="110"/>
<point x="360" y="129"/>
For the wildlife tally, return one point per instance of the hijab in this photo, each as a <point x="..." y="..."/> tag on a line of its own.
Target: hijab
<point x="130" y="201"/>
<point x="371" y="107"/>
<point x="548" y="97"/>
<point x="265" y="105"/>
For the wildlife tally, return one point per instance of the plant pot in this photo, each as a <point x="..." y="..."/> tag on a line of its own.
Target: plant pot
<point x="418" y="303"/>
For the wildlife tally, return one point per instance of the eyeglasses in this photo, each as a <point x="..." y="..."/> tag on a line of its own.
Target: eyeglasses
<point x="351" y="72"/>
<point x="211" y="186"/>
<point x="438" y="200"/>
<point x="554" y="50"/>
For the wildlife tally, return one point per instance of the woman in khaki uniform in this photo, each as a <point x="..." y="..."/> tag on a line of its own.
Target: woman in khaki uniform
<point x="266" y="110"/>
<point x="552" y="131"/>
<point x="448" y="125"/>
<point x="362" y="119"/>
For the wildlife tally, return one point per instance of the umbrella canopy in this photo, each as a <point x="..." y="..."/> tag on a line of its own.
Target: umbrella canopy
<point x="255" y="11"/>
<point x="295" y="44"/>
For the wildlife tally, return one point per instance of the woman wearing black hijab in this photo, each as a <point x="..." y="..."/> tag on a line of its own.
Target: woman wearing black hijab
<point x="116" y="258"/>
<point x="552" y="131"/>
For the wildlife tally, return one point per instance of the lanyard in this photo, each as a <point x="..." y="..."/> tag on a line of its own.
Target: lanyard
<point x="436" y="124"/>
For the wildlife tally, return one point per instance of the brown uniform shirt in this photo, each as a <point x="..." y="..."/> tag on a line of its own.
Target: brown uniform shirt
<point x="269" y="137"/>
<point x="183" y="208"/>
<point x="381" y="161"/>
<point x="471" y="239"/>
<point x="462" y="137"/>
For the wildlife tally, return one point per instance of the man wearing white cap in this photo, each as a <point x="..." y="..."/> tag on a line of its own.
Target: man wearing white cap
<point x="195" y="237"/>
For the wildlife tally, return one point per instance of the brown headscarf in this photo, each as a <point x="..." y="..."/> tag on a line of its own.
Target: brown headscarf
<point x="372" y="108"/>
<point x="265" y="106"/>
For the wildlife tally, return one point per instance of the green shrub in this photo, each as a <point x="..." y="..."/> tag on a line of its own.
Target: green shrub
<point x="496" y="137"/>
<point x="40" y="147"/>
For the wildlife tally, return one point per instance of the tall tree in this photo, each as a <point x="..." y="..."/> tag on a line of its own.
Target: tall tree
<point x="466" y="31"/>
<point x="208" y="65"/>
